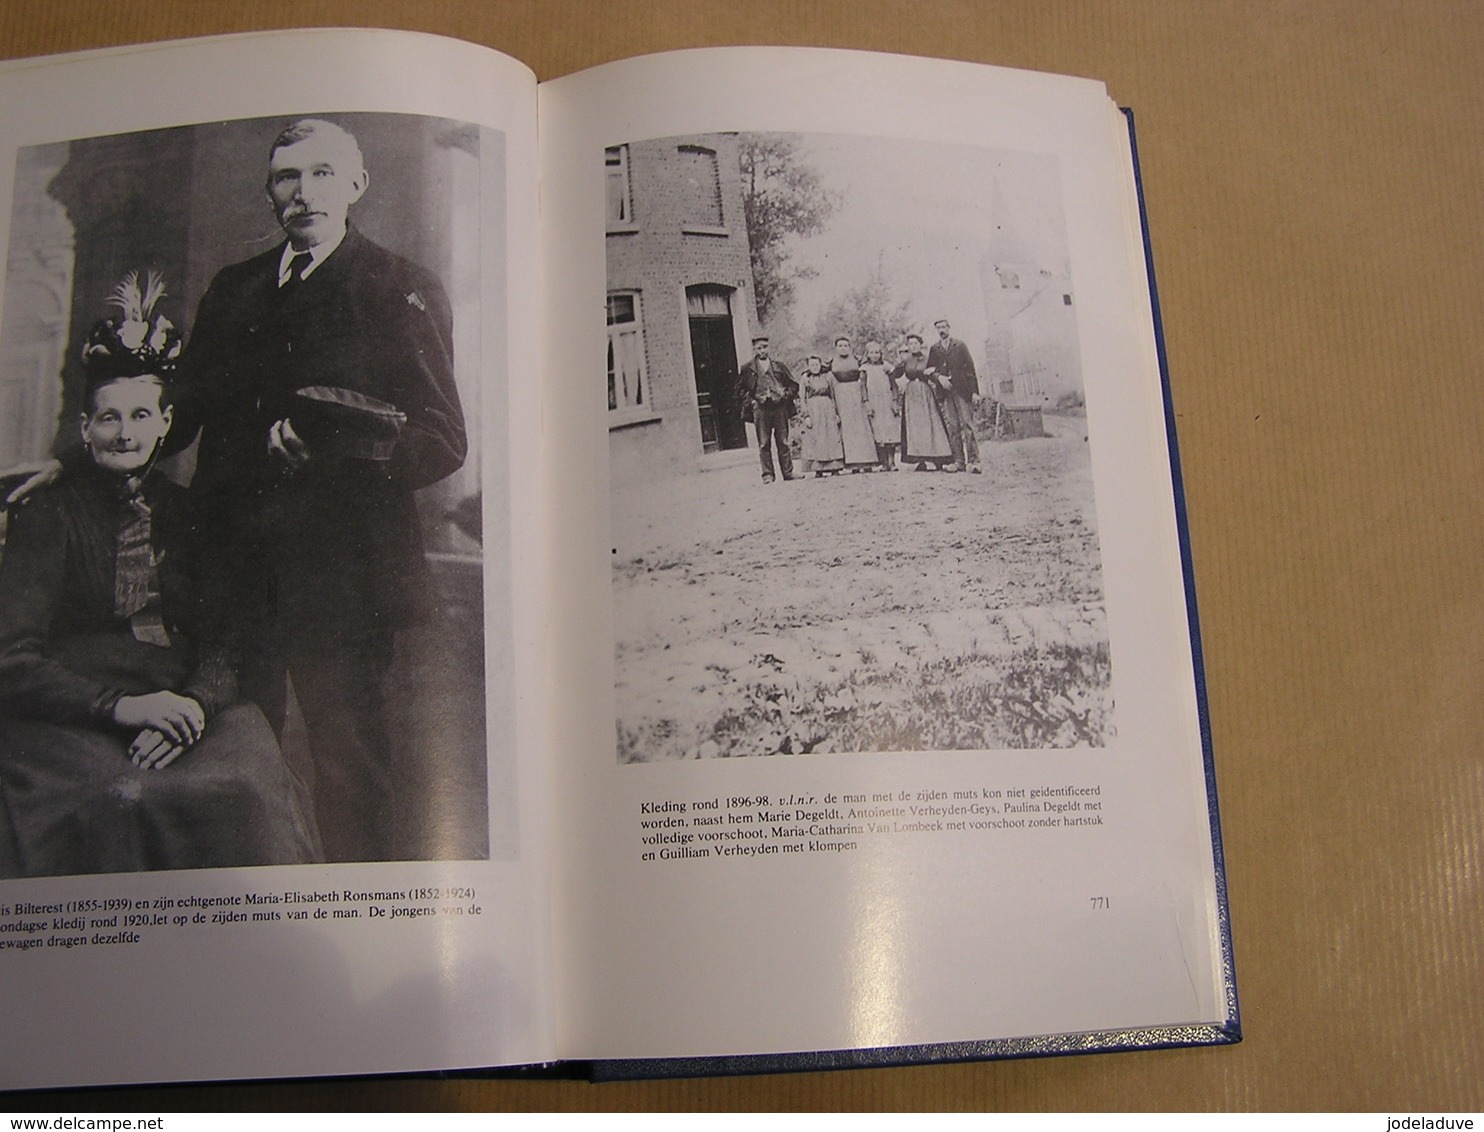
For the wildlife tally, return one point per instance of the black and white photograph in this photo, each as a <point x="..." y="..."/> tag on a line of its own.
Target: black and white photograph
<point x="241" y="577"/>
<point x="851" y="480"/>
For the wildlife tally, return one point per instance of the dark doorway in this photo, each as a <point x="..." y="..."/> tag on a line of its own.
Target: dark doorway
<point x="714" y="358"/>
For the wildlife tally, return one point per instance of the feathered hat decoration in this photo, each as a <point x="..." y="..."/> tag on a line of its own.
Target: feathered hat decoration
<point x="141" y="342"/>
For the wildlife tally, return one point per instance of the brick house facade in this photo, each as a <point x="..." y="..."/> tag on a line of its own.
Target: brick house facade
<point x="681" y="308"/>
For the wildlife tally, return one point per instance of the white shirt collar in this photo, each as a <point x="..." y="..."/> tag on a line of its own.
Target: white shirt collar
<point x="317" y="255"/>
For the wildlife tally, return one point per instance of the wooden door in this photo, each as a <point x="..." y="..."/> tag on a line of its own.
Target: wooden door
<point x="714" y="359"/>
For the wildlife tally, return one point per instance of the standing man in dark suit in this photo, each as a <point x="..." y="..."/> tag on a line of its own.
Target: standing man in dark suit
<point x="768" y="393"/>
<point x="321" y="376"/>
<point x="950" y="362"/>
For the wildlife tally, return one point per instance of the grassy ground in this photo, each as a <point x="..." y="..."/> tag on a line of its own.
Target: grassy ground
<point x="882" y="611"/>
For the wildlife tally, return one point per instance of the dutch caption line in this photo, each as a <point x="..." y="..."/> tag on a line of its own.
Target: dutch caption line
<point x="759" y="825"/>
<point x="27" y="925"/>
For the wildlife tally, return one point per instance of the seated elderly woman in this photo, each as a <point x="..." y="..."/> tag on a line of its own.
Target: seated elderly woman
<point x="122" y="744"/>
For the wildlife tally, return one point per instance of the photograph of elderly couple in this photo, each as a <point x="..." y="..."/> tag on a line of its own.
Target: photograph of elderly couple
<point x="241" y="576"/>
<point x="798" y="324"/>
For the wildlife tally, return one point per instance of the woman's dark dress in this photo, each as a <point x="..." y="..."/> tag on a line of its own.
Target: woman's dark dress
<point x="70" y="800"/>
<point x="924" y="436"/>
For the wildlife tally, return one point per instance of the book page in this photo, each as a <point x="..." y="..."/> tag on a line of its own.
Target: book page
<point x="343" y="871"/>
<point x="878" y="722"/>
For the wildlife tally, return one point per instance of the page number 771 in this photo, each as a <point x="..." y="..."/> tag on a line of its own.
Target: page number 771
<point x="1100" y="903"/>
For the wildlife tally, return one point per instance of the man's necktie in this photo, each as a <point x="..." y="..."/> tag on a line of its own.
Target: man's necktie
<point x="298" y="264"/>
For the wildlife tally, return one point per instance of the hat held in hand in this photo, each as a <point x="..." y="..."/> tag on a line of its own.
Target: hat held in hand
<point x="342" y="422"/>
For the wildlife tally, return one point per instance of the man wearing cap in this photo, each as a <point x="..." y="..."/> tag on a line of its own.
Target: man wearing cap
<point x="768" y="394"/>
<point x="951" y="364"/>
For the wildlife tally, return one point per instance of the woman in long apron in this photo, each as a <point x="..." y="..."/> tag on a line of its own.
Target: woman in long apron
<point x="850" y="402"/>
<point x="821" y="444"/>
<point x="881" y="398"/>
<point x="924" y="435"/>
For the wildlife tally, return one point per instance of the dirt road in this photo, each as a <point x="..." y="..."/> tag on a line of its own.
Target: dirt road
<point x="876" y="611"/>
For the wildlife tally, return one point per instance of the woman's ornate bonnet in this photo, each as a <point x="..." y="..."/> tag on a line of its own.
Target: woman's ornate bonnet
<point x="138" y="342"/>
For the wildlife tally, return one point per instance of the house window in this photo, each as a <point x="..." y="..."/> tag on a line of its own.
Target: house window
<point x="708" y="302"/>
<point x="628" y="387"/>
<point x="700" y="187"/>
<point x="620" y="203"/>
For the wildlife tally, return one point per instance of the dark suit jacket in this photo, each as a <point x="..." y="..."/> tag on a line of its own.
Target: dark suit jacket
<point x="953" y="358"/>
<point x="342" y="534"/>
<point x="747" y="386"/>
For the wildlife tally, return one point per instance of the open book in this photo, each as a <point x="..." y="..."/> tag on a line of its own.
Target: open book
<point x="824" y="678"/>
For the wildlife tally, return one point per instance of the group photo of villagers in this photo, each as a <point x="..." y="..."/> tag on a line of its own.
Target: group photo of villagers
<point x="241" y="593"/>
<point x="797" y="325"/>
<point x="859" y="412"/>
